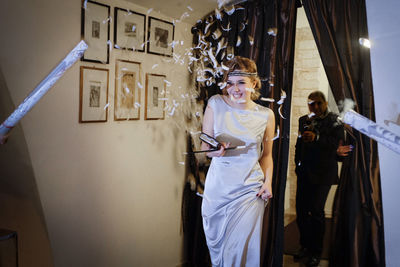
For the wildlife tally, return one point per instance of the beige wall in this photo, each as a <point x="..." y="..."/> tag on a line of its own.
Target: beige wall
<point x="111" y="192"/>
<point x="308" y="76"/>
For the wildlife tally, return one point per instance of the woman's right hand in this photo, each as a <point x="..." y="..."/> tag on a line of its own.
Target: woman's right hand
<point x="220" y="152"/>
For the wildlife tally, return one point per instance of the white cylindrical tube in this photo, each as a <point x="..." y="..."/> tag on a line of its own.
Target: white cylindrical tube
<point x="372" y="130"/>
<point x="31" y="100"/>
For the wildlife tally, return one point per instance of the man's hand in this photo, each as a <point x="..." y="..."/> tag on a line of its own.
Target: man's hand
<point x="308" y="136"/>
<point x="343" y="151"/>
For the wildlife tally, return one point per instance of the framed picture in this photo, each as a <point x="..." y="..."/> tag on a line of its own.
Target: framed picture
<point x="155" y="91"/>
<point x="160" y="37"/>
<point x="96" y="31"/>
<point x="93" y="98"/>
<point x="127" y="90"/>
<point x="129" y="29"/>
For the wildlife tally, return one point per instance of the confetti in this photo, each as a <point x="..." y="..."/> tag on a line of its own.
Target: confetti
<point x="280" y="112"/>
<point x="107" y="19"/>
<point x="154" y="66"/>
<point x="137" y="105"/>
<point x="109" y="44"/>
<point x="117" y="46"/>
<point x="163" y="98"/>
<point x="239" y="41"/>
<point x="133" y="28"/>
<point x="149" y="10"/>
<point x="85" y="4"/>
<point x="218" y="14"/>
<point x="140" y="85"/>
<point x="277" y="134"/>
<point x="181" y="162"/>
<point x="106" y="106"/>
<point x="228" y="28"/>
<point x="189" y="7"/>
<point x="127" y="90"/>
<point x="167" y="83"/>
<point x="251" y="40"/>
<point x="267" y="99"/>
<point x="272" y="31"/>
<point x="230" y="11"/>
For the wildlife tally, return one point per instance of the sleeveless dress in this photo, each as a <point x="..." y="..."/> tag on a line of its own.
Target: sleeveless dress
<point x="232" y="213"/>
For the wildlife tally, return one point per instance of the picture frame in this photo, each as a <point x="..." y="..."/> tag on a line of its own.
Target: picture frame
<point x="127" y="90"/>
<point x="93" y="96"/>
<point x="160" y="37"/>
<point x="129" y="29"/>
<point x="155" y="91"/>
<point x="95" y="30"/>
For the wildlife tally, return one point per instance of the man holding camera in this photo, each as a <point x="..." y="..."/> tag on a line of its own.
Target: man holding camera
<point x="317" y="151"/>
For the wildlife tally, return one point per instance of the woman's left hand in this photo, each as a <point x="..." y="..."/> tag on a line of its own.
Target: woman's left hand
<point x="265" y="191"/>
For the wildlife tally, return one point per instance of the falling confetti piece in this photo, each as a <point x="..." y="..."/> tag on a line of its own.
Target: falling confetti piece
<point x="191" y="9"/>
<point x="148" y="11"/>
<point x="228" y="28"/>
<point x="163" y="98"/>
<point x="140" y="85"/>
<point x="109" y="44"/>
<point x="222" y="85"/>
<point x="167" y="83"/>
<point x="277" y="134"/>
<point x="230" y="11"/>
<point x="106" y="106"/>
<point x="272" y="31"/>
<point x="312" y="114"/>
<point x="127" y="90"/>
<point x="197" y="114"/>
<point x="239" y="41"/>
<point x="280" y="112"/>
<point x="137" y="105"/>
<point x="218" y="14"/>
<point x="107" y="19"/>
<point x="117" y="46"/>
<point x="194" y="133"/>
<point x="181" y="162"/>
<point x="85" y="4"/>
<point x="251" y="40"/>
<point x="267" y="99"/>
<point x="133" y="28"/>
<point x="154" y="66"/>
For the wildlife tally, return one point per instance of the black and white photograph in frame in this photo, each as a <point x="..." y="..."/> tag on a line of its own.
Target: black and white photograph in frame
<point x="155" y="92"/>
<point x="93" y="96"/>
<point x="129" y="30"/>
<point x="127" y="90"/>
<point x="96" y="31"/>
<point x="160" y="37"/>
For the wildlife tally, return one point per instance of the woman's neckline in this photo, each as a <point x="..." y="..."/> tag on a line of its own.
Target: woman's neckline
<point x="225" y="100"/>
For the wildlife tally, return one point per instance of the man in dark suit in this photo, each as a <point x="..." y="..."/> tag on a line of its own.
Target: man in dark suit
<point x="320" y="135"/>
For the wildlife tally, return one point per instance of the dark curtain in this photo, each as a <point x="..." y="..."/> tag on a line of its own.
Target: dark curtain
<point x="337" y="26"/>
<point x="265" y="32"/>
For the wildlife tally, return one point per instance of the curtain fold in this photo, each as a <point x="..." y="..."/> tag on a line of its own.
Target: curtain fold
<point x="337" y="26"/>
<point x="263" y="30"/>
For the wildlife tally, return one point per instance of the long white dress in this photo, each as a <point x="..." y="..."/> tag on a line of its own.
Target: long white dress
<point x="232" y="213"/>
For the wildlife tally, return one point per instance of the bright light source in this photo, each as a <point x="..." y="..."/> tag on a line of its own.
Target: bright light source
<point x="365" y="42"/>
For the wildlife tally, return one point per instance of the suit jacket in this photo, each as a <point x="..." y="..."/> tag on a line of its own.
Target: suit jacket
<point x="317" y="161"/>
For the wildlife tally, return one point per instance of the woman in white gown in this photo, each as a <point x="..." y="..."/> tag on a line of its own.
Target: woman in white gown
<point x="238" y="182"/>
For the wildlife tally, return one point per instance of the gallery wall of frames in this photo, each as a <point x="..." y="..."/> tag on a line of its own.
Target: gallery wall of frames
<point x="133" y="32"/>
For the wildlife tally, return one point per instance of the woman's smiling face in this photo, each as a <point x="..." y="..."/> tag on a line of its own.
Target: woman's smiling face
<point x="240" y="88"/>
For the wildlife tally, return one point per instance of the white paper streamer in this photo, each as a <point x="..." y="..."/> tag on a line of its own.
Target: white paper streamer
<point x="31" y="100"/>
<point x="372" y="130"/>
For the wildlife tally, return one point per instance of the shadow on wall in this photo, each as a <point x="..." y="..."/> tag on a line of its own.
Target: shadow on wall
<point x="20" y="206"/>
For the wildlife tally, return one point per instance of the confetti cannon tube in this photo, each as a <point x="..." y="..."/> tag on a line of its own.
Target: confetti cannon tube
<point x="372" y="130"/>
<point x="31" y="100"/>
